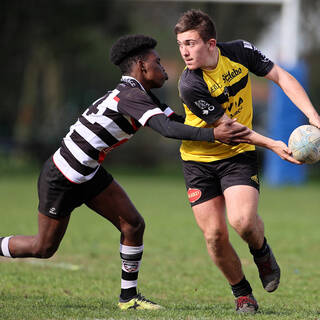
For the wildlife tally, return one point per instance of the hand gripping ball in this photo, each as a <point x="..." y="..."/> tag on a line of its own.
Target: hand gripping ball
<point x="304" y="143"/>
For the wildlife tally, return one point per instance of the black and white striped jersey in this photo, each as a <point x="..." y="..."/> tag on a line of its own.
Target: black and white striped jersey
<point x="107" y="123"/>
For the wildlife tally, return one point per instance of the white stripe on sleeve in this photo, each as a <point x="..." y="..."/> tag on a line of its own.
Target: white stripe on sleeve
<point x="147" y="115"/>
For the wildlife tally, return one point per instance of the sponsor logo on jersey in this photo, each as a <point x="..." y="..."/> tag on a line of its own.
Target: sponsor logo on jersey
<point x="132" y="82"/>
<point x="237" y="105"/>
<point x="130" y="266"/>
<point x="215" y="87"/>
<point x="194" y="195"/>
<point x="255" y="179"/>
<point x="227" y="77"/>
<point x="226" y="92"/>
<point x="205" y="106"/>
<point x="248" y="45"/>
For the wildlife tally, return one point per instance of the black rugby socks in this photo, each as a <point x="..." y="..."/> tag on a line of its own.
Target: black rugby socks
<point x="242" y="288"/>
<point x="264" y="250"/>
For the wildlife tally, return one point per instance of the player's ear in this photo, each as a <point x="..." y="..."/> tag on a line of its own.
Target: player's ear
<point x="142" y="66"/>
<point x="212" y="43"/>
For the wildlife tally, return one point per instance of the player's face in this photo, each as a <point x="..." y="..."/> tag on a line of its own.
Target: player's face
<point x="155" y="73"/>
<point x="195" y="53"/>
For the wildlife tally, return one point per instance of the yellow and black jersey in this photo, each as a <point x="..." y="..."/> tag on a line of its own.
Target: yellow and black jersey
<point x="208" y="94"/>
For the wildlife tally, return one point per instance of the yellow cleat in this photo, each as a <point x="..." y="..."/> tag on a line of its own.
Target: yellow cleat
<point x="139" y="302"/>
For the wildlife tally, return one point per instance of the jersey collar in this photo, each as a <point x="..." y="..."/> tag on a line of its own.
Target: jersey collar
<point x="132" y="82"/>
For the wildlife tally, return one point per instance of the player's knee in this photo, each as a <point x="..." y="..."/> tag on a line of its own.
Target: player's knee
<point x="216" y="240"/>
<point x="140" y="226"/>
<point x="244" y="227"/>
<point x="134" y="228"/>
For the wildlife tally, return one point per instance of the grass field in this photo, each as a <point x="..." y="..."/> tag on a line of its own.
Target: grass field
<point x="82" y="280"/>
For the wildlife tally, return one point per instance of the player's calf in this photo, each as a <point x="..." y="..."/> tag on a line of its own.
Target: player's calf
<point x="27" y="247"/>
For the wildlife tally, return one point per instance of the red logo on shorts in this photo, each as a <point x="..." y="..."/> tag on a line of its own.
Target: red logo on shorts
<point x="194" y="195"/>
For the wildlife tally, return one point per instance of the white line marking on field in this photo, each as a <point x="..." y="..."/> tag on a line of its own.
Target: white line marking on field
<point x="49" y="264"/>
<point x="61" y="265"/>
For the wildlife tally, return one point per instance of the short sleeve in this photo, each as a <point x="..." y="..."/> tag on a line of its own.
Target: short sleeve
<point x="258" y="63"/>
<point x="137" y="104"/>
<point x="196" y="96"/>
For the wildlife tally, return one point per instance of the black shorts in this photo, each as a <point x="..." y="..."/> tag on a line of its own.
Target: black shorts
<point x="207" y="180"/>
<point x="58" y="196"/>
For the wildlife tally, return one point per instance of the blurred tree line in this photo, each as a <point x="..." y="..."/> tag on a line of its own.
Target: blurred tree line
<point x="55" y="62"/>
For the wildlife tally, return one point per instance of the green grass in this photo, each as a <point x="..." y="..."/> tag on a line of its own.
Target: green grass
<point x="82" y="280"/>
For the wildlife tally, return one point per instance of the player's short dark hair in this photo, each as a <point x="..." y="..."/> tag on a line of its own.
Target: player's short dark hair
<point x="128" y="49"/>
<point x="197" y="20"/>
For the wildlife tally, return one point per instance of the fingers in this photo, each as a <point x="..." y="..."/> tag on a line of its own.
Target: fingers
<point x="292" y="160"/>
<point x="237" y="127"/>
<point x="283" y="151"/>
<point x="290" y="157"/>
<point x="315" y="120"/>
<point x="287" y="155"/>
<point x="287" y="150"/>
<point x="241" y="131"/>
<point x="316" y="124"/>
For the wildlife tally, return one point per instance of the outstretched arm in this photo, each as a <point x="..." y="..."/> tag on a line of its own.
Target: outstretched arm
<point x="293" y="89"/>
<point x="228" y="131"/>
<point x="176" y="130"/>
<point x="277" y="146"/>
<point x="252" y="137"/>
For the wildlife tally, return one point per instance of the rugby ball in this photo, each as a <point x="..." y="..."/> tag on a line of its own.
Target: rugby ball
<point x="304" y="143"/>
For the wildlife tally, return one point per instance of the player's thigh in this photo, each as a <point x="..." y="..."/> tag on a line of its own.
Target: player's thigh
<point x="202" y="182"/>
<point x="114" y="204"/>
<point x="58" y="197"/>
<point x="210" y="216"/>
<point x="240" y="185"/>
<point x="241" y="205"/>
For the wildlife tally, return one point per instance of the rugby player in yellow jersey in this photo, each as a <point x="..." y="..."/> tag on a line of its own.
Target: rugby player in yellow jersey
<point x="214" y="87"/>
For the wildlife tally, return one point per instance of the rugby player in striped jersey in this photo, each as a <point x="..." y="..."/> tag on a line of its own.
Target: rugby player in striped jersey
<point x="74" y="176"/>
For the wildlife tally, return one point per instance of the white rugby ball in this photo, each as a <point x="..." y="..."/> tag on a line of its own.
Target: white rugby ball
<point x="304" y="143"/>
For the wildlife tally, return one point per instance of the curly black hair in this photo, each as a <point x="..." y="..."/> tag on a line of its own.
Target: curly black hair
<point x="129" y="48"/>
